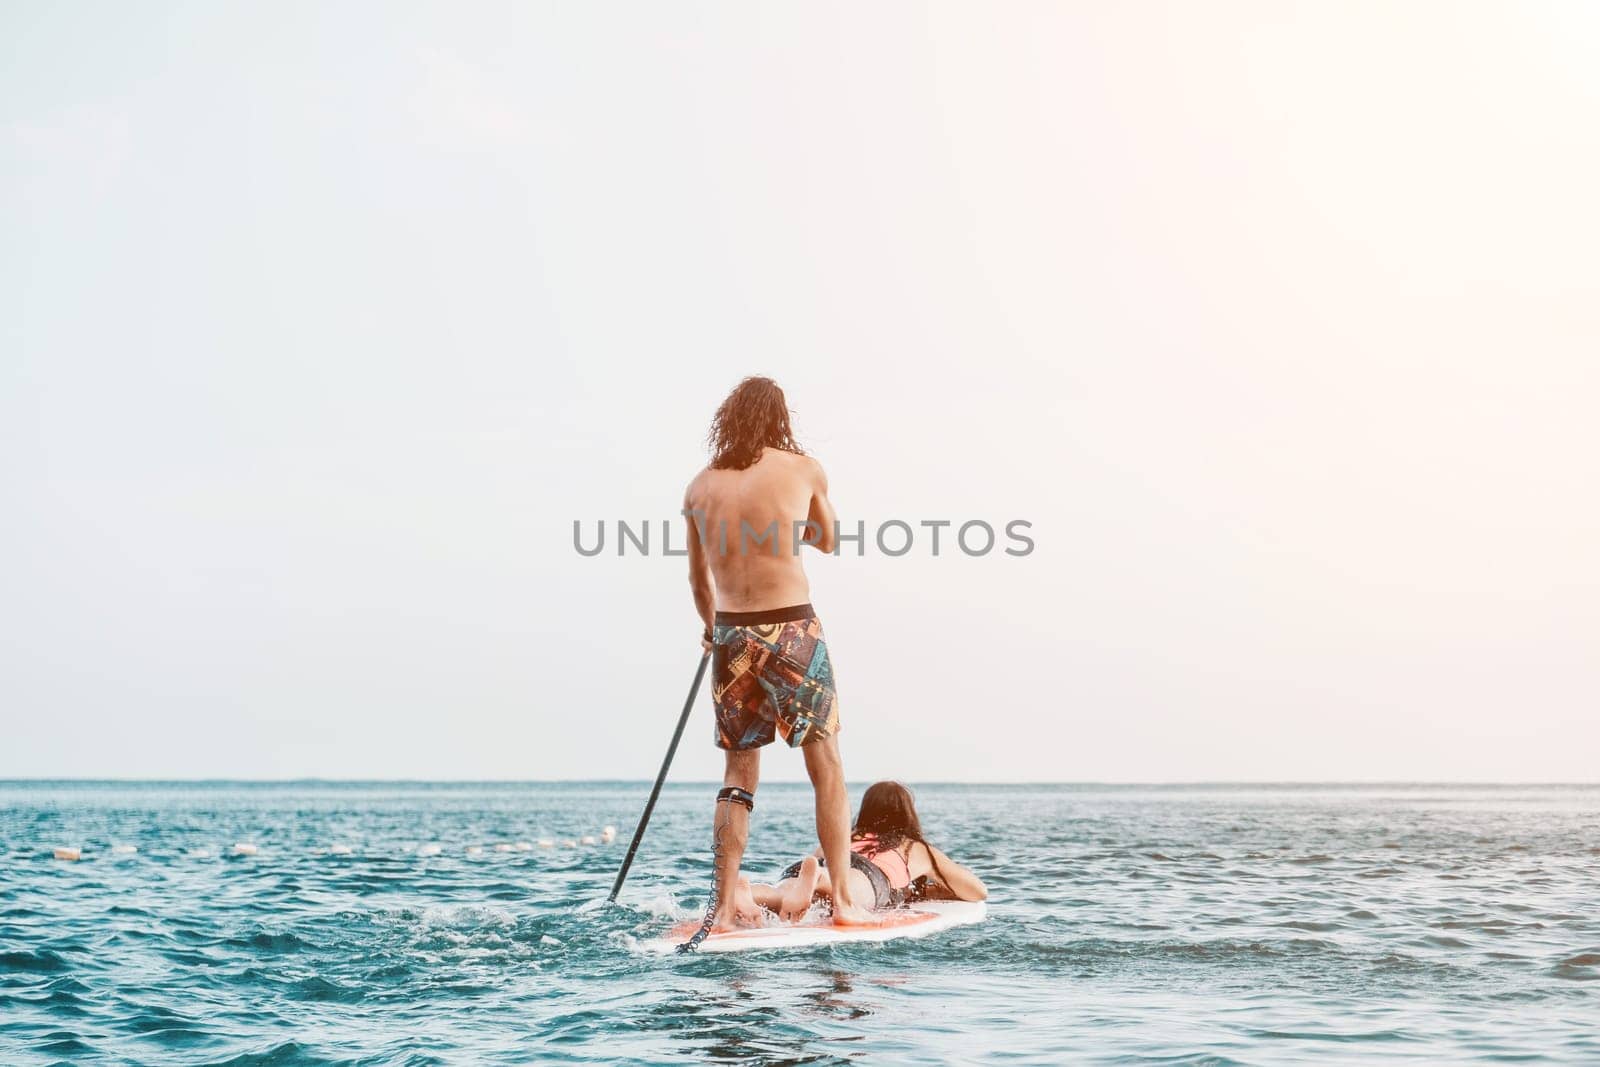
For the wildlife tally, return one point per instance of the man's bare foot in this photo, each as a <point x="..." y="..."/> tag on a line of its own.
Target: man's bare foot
<point x="739" y="913"/>
<point x="797" y="897"/>
<point x="851" y="915"/>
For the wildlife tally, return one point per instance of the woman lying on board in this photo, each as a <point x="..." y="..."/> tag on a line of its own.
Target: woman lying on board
<point x="890" y="864"/>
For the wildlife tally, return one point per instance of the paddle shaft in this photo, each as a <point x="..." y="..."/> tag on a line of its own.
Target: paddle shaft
<point x="661" y="777"/>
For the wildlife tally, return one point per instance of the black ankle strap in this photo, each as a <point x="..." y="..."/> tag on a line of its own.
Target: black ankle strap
<point x="734" y="795"/>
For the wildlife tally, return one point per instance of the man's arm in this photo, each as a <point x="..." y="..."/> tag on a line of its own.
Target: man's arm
<point x="705" y="597"/>
<point x="822" y="534"/>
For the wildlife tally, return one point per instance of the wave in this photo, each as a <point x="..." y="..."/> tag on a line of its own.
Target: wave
<point x="41" y="960"/>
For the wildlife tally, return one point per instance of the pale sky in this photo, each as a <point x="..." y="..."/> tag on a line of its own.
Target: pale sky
<point x="321" y="323"/>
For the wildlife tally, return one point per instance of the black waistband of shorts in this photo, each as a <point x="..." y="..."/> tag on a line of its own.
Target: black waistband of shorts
<point x="757" y="618"/>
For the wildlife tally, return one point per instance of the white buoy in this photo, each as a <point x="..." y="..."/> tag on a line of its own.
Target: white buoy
<point x="244" y="848"/>
<point x="199" y="853"/>
<point x="69" y="855"/>
<point x="524" y="846"/>
<point x="588" y="839"/>
<point x="608" y="835"/>
<point x="428" y="850"/>
<point x="545" y="842"/>
<point x="505" y="846"/>
<point x="124" y="850"/>
<point x="569" y="843"/>
<point x="340" y="850"/>
<point x="474" y="850"/>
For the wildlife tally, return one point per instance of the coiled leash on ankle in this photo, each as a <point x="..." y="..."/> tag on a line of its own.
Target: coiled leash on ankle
<point x="732" y="795"/>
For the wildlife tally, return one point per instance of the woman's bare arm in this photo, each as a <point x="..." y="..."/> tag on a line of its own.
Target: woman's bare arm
<point x="956" y="878"/>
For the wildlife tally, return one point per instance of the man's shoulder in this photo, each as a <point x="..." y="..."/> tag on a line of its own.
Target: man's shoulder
<point x="813" y="467"/>
<point x="800" y="461"/>
<point x="697" y="483"/>
<point x="799" y="469"/>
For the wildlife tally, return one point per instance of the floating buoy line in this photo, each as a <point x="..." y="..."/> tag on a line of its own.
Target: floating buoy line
<point x="426" y="850"/>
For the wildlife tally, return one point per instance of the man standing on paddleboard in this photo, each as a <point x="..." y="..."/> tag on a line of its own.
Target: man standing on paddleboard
<point x="749" y="512"/>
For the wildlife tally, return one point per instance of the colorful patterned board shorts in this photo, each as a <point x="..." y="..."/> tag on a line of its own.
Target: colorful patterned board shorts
<point x="771" y="678"/>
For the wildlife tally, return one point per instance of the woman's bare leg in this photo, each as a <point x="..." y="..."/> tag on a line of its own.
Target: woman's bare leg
<point x="744" y="900"/>
<point x="768" y="896"/>
<point x="775" y="897"/>
<point x="797" y="896"/>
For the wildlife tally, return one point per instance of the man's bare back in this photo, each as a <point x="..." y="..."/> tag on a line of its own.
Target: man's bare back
<point x="748" y="521"/>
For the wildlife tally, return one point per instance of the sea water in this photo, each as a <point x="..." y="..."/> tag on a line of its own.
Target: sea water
<point x="1217" y="924"/>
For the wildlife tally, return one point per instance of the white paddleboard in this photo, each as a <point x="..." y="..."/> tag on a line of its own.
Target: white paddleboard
<point x="920" y="920"/>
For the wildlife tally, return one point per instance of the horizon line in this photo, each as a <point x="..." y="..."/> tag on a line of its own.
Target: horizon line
<point x="1128" y="783"/>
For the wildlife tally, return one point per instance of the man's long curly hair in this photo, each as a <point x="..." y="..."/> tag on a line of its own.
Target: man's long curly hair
<point x="754" y="416"/>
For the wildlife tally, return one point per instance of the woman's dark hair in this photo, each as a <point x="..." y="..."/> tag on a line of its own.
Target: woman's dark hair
<point x="889" y="811"/>
<point x="754" y="416"/>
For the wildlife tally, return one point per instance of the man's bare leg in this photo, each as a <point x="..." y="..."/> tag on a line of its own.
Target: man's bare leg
<point x="729" y="833"/>
<point x="833" y="824"/>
